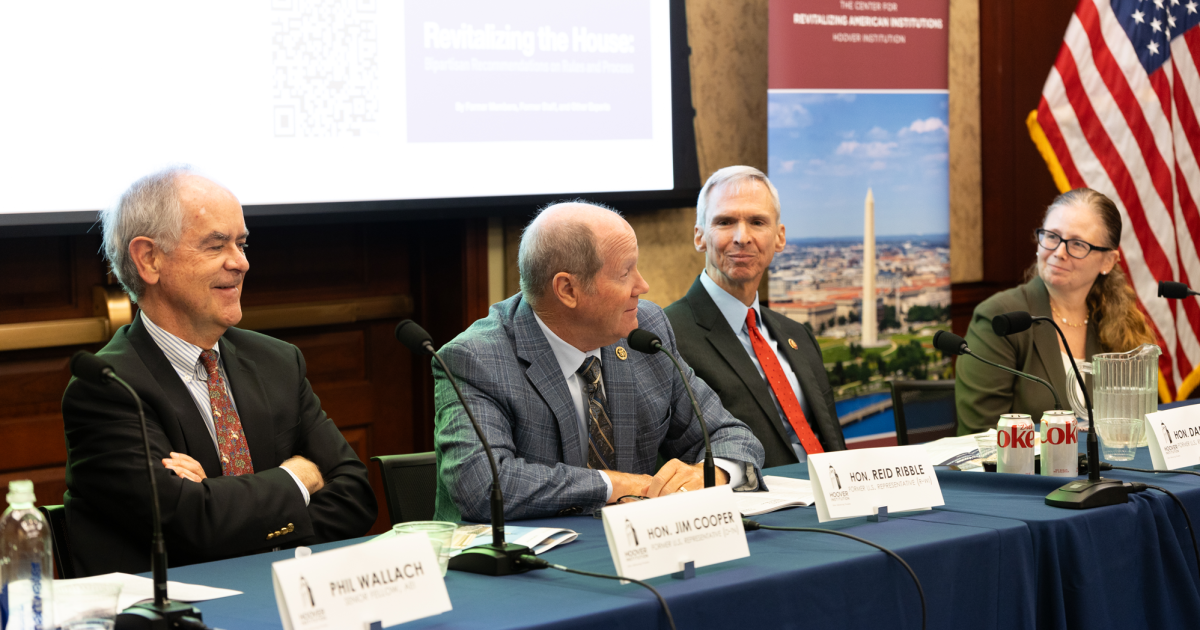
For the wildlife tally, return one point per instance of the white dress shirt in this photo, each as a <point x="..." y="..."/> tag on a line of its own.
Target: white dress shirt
<point x="735" y="313"/>
<point x="570" y="359"/>
<point x="185" y="358"/>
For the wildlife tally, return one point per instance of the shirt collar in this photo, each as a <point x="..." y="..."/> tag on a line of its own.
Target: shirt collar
<point x="183" y="356"/>
<point x="731" y="307"/>
<point x="569" y="357"/>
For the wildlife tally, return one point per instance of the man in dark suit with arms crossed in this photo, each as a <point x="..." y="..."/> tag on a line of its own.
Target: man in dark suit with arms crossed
<point x="770" y="376"/>
<point x="246" y="459"/>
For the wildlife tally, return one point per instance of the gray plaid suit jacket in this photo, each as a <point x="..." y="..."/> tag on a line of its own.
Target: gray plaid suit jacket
<point x="513" y="383"/>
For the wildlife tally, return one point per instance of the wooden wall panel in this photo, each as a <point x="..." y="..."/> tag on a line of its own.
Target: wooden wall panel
<point x="369" y="384"/>
<point x="1018" y="42"/>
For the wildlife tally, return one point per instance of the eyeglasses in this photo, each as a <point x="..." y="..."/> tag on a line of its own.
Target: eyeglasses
<point x="1075" y="247"/>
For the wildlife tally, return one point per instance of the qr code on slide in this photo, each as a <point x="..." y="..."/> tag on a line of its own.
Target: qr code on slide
<point x="326" y="60"/>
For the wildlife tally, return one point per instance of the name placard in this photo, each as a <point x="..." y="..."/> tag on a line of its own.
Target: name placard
<point x="856" y="482"/>
<point x="1174" y="437"/>
<point x="390" y="581"/>
<point x="657" y="537"/>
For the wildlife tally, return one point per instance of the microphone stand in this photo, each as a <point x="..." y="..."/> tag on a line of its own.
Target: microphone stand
<point x="499" y="557"/>
<point x="1057" y="403"/>
<point x="162" y="613"/>
<point x="1094" y="491"/>
<point x="710" y="469"/>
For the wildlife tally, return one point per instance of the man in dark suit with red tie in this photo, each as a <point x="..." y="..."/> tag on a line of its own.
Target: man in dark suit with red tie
<point x="766" y="368"/>
<point x="245" y="458"/>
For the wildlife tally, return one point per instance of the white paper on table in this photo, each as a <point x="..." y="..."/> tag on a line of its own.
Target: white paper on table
<point x="783" y="492"/>
<point x="136" y="589"/>
<point x="945" y="451"/>
<point x="539" y="539"/>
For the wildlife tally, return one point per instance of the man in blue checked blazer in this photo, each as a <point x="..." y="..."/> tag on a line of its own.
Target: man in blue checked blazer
<point x="575" y="418"/>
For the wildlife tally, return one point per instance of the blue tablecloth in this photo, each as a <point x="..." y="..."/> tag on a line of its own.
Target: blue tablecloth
<point x="974" y="570"/>
<point x="995" y="556"/>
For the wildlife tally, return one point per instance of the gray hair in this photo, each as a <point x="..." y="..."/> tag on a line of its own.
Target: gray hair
<point x="734" y="176"/>
<point x="150" y="208"/>
<point x="569" y="247"/>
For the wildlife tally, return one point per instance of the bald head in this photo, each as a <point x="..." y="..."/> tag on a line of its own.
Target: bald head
<point x="566" y="237"/>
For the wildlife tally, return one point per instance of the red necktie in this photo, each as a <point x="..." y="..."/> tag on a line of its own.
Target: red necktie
<point x="235" y="453"/>
<point x="782" y="388"/>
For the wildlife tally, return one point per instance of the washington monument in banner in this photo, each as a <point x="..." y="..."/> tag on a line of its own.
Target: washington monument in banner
<point x="869" y="327"/>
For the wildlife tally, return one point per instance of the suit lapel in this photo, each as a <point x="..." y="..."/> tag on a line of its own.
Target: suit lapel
<point x="250" y="399"/>
<point x="1045" y="338"/>
<point x="195" y="431"/>
<point x="620" y="392"/>
<point x="724" y="340"/>
<point x="546" y="377"/>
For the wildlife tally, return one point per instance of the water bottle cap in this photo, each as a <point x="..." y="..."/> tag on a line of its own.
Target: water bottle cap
<point x="20" y="491"/>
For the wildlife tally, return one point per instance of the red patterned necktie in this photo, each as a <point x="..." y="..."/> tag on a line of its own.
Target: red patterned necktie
<point x="782" y="388"/>
<point x="235" y="453"/>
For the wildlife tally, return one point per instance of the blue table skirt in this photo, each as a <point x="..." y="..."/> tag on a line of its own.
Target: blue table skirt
<point x="1121" y="566"/>
<point x="995" y="556"/>
<point x="974" y="569"/>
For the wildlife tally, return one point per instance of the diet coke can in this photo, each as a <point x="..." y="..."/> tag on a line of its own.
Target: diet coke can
<point x="1060" y="444"/>
<point x="1014" y="444"/>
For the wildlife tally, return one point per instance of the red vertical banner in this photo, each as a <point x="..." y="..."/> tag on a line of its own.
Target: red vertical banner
<point x="858" y="134"/>
<point x="858" y="45"/>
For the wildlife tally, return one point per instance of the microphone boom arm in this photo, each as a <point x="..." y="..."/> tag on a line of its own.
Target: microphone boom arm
<point x="497" y="496"/>
<point x="710" y="471"/>
<point x="158" y="553"/>
<point x="1057" y="403"/>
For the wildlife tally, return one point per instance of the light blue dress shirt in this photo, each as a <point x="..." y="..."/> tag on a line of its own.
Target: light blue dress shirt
<point x="570" y="359"/>
<point x="735" y="313"/>
<point x="185" y="358"/>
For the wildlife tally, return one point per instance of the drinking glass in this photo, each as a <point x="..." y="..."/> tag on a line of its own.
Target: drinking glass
<point x="439" y="533"/>
<point x="1119" y="437"/>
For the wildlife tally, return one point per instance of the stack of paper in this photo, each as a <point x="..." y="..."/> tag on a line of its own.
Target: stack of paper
<point x="784" y="492"/>
<point x="539" y="539"/>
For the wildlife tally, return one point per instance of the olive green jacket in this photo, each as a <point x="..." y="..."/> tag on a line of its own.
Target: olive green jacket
<point x="983" y="392"/>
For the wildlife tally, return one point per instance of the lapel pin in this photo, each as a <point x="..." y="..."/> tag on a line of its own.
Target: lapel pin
<point x="621" y="354"/>
<point x="792" y="343"/>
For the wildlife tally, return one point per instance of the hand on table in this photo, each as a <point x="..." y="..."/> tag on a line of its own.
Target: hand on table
<point x="626" y="484"/>
<point x="676" y="476"/>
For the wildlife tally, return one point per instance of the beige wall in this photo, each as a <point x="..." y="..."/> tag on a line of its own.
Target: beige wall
<point x="729" y="92"/>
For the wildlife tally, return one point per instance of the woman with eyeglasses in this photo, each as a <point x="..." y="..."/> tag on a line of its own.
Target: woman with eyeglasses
<point x="1076" y="280"/>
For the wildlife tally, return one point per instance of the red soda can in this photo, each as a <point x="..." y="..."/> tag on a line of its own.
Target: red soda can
<point x="1060" y="444"/>
<point x="1014" y="444"/>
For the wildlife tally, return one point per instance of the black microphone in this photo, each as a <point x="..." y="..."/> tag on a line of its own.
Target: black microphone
<point x="499" y="557"/>
<point x="950" y="343"/>
<point x="1174" y="290"/>
<point x="647" y="342"/>
<point x="412" y="335"/>
<point x="162" y="612"/>
<point x="1077" y="495"/>
<point x="1012" y="323"/>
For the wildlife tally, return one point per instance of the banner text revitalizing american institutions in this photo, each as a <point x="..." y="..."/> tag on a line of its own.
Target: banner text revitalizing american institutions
<point x="869" y="21"/>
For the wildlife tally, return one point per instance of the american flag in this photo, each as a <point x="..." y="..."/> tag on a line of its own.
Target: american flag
<point x="1118" y="114"/>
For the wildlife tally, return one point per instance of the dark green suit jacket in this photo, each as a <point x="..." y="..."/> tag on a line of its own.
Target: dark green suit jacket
<point x="983" y="392"/>
<point x="713" y="350"/>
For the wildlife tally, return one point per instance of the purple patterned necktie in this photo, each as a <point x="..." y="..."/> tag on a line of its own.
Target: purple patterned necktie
<point x="235" y="453"/>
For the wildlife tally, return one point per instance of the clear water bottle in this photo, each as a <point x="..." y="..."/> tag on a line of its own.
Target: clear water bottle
<point x="26" y="561"/>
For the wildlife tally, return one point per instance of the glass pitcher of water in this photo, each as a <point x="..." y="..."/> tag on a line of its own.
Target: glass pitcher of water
<point x="1124" y="390"/>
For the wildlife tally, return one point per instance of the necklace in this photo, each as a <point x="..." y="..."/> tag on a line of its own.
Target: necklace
<point x="1064" y="319"/>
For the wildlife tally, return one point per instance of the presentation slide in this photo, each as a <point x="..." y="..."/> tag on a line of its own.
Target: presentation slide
<point x="318" y="101"/>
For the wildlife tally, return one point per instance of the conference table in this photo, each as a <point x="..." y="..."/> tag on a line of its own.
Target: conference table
<point x="994" y="556"/>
